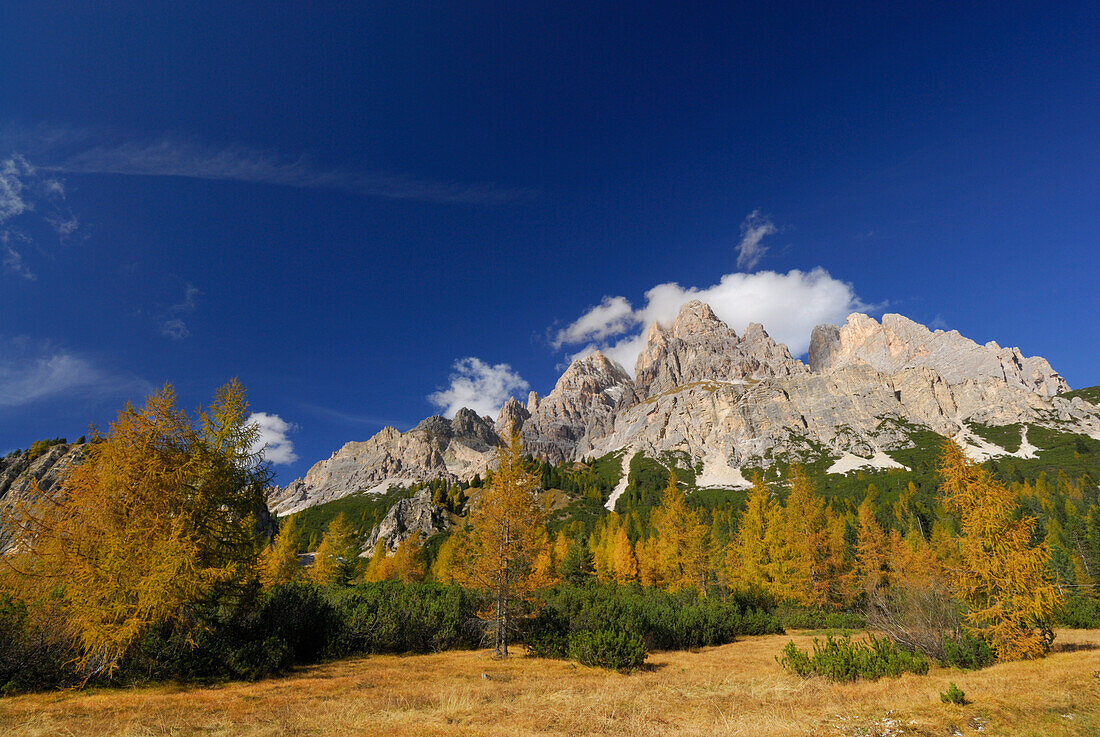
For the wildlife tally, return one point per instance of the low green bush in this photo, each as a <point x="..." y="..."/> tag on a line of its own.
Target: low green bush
<point x="392" y="617"/>
<point x="967" y="652"/>
<point x="1080" y="612"/>
<point x="608" y="648"/>
<point x="664" y="621"/>
<point x="841" y="659"/>
<point x="953" y="695"/>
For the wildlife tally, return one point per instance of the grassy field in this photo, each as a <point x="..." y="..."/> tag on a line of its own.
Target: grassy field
<point x="736" y="689"/>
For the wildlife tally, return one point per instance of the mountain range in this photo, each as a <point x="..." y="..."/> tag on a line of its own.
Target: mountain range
<point x="719" y="403"/>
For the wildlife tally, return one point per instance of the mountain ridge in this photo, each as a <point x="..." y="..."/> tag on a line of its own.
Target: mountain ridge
<point x="727" y="401"/>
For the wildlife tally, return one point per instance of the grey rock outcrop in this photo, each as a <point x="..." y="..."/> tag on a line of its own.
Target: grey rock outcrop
<point x="435" y="448"/>
<point x="511" y="418"/>
<point x="23" y="480"/>
<point x="582" y="407"/>
<point x="898" y="343"/>
<point x="405" y="518"/>
<point x="700" y="347"/>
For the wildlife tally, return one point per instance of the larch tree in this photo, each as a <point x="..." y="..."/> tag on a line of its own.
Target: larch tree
<point x="683" y="541"/>
<point x="503" y="537"/>
<point x="158" y="520"/>
<point x="337" y="558"/>
<point x="407" y="564"/>
<point x="748" y="557"/>
<point x="1005" y="581"/>
<point x="805" y="577"/>
<point x="624" y="559"/>
<point x="279" y="564"/>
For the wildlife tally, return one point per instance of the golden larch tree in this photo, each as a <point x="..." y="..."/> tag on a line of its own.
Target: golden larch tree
<point x="683" y="541"/>
<point x="337" y="558"/>
<point x="279" y="564"/>
<point x="160" y="517"/>
<point x="504" y="534"/>
<point x="1005" y="581"/>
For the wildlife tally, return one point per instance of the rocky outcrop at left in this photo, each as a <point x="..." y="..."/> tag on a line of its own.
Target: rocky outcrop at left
<point x="23" y="479"/>
<point x="436" y="448"/>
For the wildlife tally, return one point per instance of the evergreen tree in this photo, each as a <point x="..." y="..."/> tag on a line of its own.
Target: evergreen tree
<point x="577" y="567"/>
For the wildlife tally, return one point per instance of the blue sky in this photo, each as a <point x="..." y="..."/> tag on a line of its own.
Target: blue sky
<point x="356" y="209"/>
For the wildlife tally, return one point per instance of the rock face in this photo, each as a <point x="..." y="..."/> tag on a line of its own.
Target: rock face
<point x="405" y="518"/>
<point x="726" y="401"/>
<point x="700" y="347"/>
<point x="436" y="448"/>
<point x="23" y="479"/>
<point x="582" y="407"/>
<point x="899" y="343"/>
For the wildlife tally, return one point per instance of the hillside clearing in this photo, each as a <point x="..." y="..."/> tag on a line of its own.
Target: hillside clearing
<point x="735" y="689"/>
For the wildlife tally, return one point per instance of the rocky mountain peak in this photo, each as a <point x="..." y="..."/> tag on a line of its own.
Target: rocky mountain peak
<point x="696" y="318"/>
<point x="700" y="347"/>
<point x="898" y="343"/>
<point x="511" y="418"/>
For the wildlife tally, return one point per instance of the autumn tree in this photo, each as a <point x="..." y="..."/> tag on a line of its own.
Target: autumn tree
<point x="502" y="540"/>
<point x="1005" y="581"/>
<point x="683" y="541"/>
<point x="337" y="558"/>
<point x="748" y="556"/>
<point x="279" y="563"/>
<point x="407" y="564"/>
<point x="159" y="519"/>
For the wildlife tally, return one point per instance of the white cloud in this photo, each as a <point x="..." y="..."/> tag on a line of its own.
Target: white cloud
<point x="753" y="230"/>
<point x="788" y="305"/>
<point x="29" y="374"/>
<point x="478" y="386"/>
<point x="611" y="317"/>
<point x="176" y="329"/>
<point x="272" y="439"/>
<point x="13" y="172"/>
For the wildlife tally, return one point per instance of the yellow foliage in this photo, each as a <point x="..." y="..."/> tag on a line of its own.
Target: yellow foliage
<point x="1005" y="581"/>
<point x="279" y="564"/>
<point x="683" y="542"/>
<point x="503" y="538"/>
<point x="160" y="516"/>
<point x="624" y="559"/>
<point x="337" y="558"/>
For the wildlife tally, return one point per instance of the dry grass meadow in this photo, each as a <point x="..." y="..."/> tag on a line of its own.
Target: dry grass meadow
<point x="736" y="689"/>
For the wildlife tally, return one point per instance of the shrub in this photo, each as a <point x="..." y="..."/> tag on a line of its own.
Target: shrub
<point x="953" y="695"/>
<point x="664" y="621"/>
<point x="608" y="648"/>
<point x="968" y="652"/>
<point x="1080" y="612"/>
<point x="34" y="654"/>
<point x="840" y="659"/>
<point x="392" y="617"/>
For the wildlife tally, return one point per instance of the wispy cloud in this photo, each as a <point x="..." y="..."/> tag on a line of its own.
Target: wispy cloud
<point x="478" y="386"/>
<point x="273" y="438"/>
<point x="753" y="231"/>
<point x="172" y="325"/>
<point x="176" y="329"/>
<point x="31" y="373"/>
<point x="29" y="196"/>
<point x="83" y="152"/>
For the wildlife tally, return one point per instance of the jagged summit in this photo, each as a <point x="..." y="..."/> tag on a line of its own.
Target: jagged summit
<point x="726" y="401"/>
<point x="898" y="343"/>
<point x="700" y="347"/>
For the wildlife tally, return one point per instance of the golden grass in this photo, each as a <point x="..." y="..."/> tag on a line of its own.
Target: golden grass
<point x="736" y="689"/>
